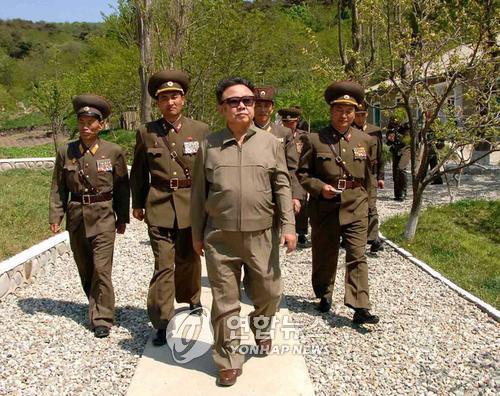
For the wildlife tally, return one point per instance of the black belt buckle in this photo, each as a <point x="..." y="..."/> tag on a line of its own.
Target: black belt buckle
<point x="86" y="199"/>
<point x="342" y="184"/>
<point x="174" y="183"/>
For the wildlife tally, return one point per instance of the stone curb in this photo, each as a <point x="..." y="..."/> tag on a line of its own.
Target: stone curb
<point x="483" y="306"/>
<point x="27" y="163"/>
<point x="22" y="269"/>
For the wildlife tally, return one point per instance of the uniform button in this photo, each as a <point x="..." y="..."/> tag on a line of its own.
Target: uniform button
<point x="86" y="175"/>
<point x="86" y="165"/>
<point x="343" y="162"/>
<point x="175" y="173"/>
<point x="173" y="144"/>
<point x="172" y="130"/>
<point x="343" y="150"/>
<point x="86" y="190"/>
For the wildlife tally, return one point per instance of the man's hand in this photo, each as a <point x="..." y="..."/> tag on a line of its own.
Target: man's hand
<point x="296" y="205"/>
<point x="199" y="248"/>
<point x="120" y="228"/>
<point x="291" y="242"/>
<point x="55" y="228"/>
<point x="138" y="214"/>
<point x="380" y="184"/>
<point x="328" y="191"/>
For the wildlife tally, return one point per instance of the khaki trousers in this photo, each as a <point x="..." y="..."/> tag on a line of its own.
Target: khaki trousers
<point x="373" y="223"/>
<point x="325" y="235"/>
<point x="227" y="253"/>
<point x="177" y="273"/>
<point x="94" y="259"/>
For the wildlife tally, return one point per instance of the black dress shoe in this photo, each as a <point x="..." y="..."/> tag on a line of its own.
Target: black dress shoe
<point x="302" y="239"/>
<point x="101" y="331"/>
<point x="196" y="309"/>
<point x="160" y="337"/>
<point x="324" y="304"/>
<point x="363" y="315"/>
<point x="377" y="245"/>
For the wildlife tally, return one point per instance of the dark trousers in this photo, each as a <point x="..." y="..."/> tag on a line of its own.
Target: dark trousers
<point x="399" y="177"/>
<point x="302" y="219"/>
<point x="94" y="259"/>
<point x="325" y="235"/>
<point x="177" y="273"/>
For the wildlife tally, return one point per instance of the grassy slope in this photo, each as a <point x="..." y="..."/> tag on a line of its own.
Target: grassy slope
<point x="460" y="240"/>
<point x="24" y="203"/>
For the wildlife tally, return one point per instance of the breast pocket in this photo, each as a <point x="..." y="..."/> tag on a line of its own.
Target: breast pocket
<point x="71" y="176"/>
<point x="326" y="165"/>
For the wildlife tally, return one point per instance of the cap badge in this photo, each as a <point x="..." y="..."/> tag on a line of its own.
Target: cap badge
<point x="170" y="84"/>
<point x="263" y="93"/>
<point x="346" y="96"/>
<point x="86" y="108"/>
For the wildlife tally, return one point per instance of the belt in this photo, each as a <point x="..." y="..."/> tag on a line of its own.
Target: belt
<point x="87" y="199"/>
<point x="344" y="184"/>
<point x="172" y="184"/>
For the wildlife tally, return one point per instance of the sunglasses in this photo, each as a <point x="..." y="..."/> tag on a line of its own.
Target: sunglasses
<point x="235" y="101"/>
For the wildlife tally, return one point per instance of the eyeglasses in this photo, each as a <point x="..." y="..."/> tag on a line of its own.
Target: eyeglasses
<point x="343" y="111"/>
<point x="235" y="101"/>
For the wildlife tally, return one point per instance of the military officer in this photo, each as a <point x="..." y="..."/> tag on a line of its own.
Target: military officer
<point x="160" y="179"/>
<point x="264" y="108"/>
<point x="90" y="185"/>
<point x="291" y="118"/>
<point x="335" y="168"/>
<point x="240" y="175"/>
<point x="377" y="176"/>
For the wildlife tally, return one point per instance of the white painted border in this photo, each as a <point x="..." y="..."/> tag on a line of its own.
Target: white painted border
<point x="32" y="252"/>
<point x="494" y="313"/>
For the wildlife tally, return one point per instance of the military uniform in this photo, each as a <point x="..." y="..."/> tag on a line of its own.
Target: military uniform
<point x="377" y="174"/>
<point x="298" y="192"/>
<point x="344" y="161"/>
<point x="235" y="192"/>
<point x="91" y="186"/>
<point x="401" y="158"/>
<point x="161" y="184"/>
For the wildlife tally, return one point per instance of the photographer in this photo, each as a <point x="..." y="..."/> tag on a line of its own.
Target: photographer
<point x="397" y="139"/>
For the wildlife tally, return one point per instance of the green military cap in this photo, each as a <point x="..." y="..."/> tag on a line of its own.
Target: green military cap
<point x="264" y="94"/>
<point x="344" y="92"/>
<point x="168" y="81"/>
<point x="291" y="113"/>
<point x="91" y="105"/>
<point x="362" y="108"/>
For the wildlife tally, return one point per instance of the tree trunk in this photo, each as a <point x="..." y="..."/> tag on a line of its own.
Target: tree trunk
<point x="416" y="206"/>
<point x="143" y="9"/>
<point x="341" y="44"/>
<point x="351" y="66"/>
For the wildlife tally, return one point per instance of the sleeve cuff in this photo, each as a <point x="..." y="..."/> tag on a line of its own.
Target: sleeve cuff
<point x="288" y="229"/>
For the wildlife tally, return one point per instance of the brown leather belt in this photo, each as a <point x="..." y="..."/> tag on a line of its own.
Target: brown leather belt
<point x="344" y="184"/>
<point x="172" y="184"/>
<point x="87" y="199"/>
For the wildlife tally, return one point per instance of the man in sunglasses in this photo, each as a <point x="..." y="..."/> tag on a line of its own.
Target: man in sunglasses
<point x="161" y="187"/>
<point x="264" y="108"/>
<point x="240" y="175"/>
<point x="335" y="167"/>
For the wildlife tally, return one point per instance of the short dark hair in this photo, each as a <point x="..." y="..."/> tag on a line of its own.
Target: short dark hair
<point x="225" y="83"/>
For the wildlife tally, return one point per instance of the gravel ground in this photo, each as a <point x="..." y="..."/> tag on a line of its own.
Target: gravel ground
<point x="46" y="346"/>
<point x="429" y="341"/>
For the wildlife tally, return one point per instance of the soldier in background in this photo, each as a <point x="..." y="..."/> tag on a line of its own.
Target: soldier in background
<point x="164" y="152"/>
<point x="377" y="176"/>
<point x="290" y="118"/>
<point x="397" y="139"/>
<point x="91" y="186"/>
<point x="335" y="169"/>
<point x="264" y="108"/>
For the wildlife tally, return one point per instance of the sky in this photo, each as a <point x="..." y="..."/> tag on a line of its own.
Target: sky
<point x="56" y="10"/>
